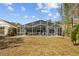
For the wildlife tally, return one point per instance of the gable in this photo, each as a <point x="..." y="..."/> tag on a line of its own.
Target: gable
<point x="2" y="23"/>
<point x="6" y="23"/>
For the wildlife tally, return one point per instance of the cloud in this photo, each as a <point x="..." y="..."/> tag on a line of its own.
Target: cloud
<point x="49" y="14"/>
<point x="54" y="17"/>
<point x="53" y="5"/>
<point x="48" y="6"/>
<point x="8" y="4"/>
<point x="25" y="16"/>
<point x="57" y="14"/>
<point x="10" y="8"/>
<point x="40" y="6"/>
<point x="44" y="11"/>
<point x="37" y="18"/>
<point x="15" y="14"/>
<point x="33" y="16"/>
<point x="23" y="8"/>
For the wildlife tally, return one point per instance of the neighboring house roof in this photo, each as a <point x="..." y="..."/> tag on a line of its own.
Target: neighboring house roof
<point x="76" y="21"/>
<point x="38" y="23"/>
<point x="42" y="23"/>
<point x="10" y="23"/>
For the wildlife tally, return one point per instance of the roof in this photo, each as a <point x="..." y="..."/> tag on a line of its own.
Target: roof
<point x="75" y="21"/>
<point x="38" y="23"/>
<point x="11" y="23"/>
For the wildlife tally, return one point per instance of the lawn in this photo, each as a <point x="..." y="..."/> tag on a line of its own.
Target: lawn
<point x="41" y="46"/>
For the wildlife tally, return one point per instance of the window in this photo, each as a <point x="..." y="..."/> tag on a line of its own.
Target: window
<point x="1" y="30"/>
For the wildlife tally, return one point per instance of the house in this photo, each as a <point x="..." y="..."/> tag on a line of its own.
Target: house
<point x="42" y="27"/>
<point x="75" y="21"/>
<point x="39" y="27"/>
<point x="7" y="28"/>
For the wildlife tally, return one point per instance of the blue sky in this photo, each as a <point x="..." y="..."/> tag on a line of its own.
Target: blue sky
<point x="27" y="12"/>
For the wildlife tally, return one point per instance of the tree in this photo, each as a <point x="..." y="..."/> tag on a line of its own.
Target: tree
<point x="70" y="11"/>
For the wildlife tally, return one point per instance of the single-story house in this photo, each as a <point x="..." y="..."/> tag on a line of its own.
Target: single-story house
<point x="41" y="27"/>
<point x="7" y="28"/>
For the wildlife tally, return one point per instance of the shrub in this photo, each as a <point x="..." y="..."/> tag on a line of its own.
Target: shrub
<point x="74" y="32"/>
<point x="77" y="37"/>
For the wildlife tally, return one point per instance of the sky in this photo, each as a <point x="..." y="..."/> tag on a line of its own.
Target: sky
<point x="28" y="12"/>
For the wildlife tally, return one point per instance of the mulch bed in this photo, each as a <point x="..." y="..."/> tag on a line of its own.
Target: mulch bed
<point x="10" y="42"/>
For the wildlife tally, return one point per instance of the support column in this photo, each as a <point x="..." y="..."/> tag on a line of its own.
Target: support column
<point x="40" y="30"/>
<point x="62" y="31"/>
<point x="17" y="31"/>
<point x="58" y="31"/>
<point x="20" y="30"/>
<point x="32" y="29"/>
<point x="54" y="30"/>
<point x="24" y="30"/>
<point x="47" y="30"/>
<point x="40" y="27"/>
<point x="36" y="32"/>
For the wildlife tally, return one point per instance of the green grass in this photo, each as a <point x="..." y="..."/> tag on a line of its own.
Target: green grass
<point x="42" y="46"/>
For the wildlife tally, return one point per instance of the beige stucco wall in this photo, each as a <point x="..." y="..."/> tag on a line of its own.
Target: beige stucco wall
<point x="6" y="26"/>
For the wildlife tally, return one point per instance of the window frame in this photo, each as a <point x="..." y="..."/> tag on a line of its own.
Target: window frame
<point x="2" y="28"/>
